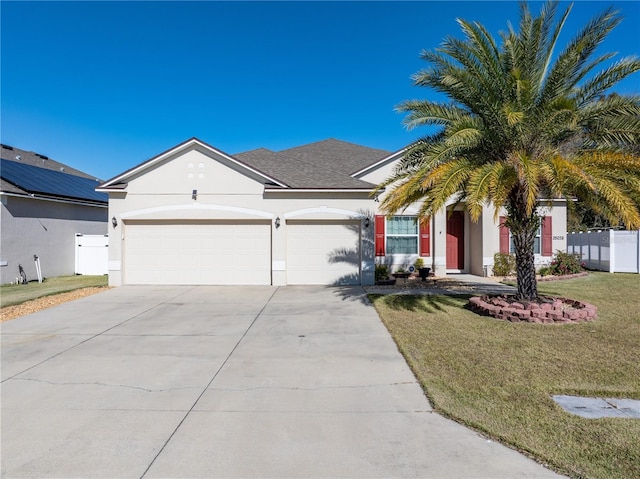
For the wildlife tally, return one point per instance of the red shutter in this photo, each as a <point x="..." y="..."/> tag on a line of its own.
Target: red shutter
<point x="504" y="236"/>
<point x="425" y="237"/>
<point x="379" y="231"/>
<point x="547" y="237"/>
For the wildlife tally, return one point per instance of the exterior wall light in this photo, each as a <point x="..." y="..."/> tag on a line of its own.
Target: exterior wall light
<point x="114" y="222"/>
<point x="277" y="222"/>
<point x="366" y="222"/>
<point x="194" y="195"/>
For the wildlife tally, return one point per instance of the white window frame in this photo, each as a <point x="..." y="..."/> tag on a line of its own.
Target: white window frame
<point x="388" y="235"/>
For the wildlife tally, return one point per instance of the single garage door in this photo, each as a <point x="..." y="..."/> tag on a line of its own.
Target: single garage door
<point x="323" y="252"/>
<point x="197" y="252"/>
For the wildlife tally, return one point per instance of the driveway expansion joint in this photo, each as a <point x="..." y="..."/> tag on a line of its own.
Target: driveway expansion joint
<point x="91" y="337"/>
<point x="97" y="383"/>
<point x="224" y="363"/>
<point x="314" y="388"/>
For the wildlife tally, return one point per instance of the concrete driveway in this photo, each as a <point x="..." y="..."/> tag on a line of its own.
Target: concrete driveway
<point x="225" y="382"/>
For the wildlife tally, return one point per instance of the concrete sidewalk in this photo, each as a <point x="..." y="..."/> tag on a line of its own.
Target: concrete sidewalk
<point x="225" y="382"/>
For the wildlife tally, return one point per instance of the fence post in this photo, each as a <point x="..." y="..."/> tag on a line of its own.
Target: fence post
<point x="612" y="251"/>
<point x="638" y="255"/>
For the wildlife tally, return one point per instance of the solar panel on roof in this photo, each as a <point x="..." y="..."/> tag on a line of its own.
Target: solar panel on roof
<point x="50" y="182"/>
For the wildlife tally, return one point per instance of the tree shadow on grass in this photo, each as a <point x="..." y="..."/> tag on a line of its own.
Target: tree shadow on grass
<point x="422" y="303"/>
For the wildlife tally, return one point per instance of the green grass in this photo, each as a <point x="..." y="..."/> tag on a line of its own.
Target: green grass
<point x="11" y="294"/>
<point x="497" y="377"/>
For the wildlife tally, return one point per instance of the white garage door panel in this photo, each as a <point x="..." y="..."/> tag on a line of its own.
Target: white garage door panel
<point x="197" y="253"/>
<point x="323" y="252"/>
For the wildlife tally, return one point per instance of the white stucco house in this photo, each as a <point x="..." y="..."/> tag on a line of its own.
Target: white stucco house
<point x="196" y="215"/>
<point x="45" y="204"/>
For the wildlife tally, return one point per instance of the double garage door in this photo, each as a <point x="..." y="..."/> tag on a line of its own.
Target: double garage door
<point x="231" y="252"/>
<point x="239" y="253"/>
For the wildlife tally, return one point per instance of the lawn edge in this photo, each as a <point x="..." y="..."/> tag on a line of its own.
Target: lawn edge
<point x="47" y="295"/>
<point x="469" y="424"/>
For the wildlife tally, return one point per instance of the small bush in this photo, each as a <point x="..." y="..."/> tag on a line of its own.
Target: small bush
<point x="545" y="271"/>
<point x="419" y="263"/>
<point x="565" y="263"/>
<point x="382" y="272"/>
<point x="504" y="264"/>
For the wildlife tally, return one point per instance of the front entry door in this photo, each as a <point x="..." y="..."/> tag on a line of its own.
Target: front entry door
<point x="455" y="241"/>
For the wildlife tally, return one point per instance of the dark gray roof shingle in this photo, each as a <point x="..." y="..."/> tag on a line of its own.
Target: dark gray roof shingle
<point x="325" y="164"/>
<point x="7" y="187"/>
<point x="343" y="156"/>
<point x="41" y="161"/>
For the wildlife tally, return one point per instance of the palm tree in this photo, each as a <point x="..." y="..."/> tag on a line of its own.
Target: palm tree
<point x="523" y="124"/>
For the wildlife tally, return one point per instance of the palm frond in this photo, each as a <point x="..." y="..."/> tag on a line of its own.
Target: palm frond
<point x="605" y="79"/>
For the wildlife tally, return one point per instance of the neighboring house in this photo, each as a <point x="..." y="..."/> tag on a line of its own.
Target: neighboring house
<point x="44" y="205"/>
<point x="306" y="215"/>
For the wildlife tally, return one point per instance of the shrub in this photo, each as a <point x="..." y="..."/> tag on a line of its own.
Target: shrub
<point x="504" y="264"/>
<point x="545" y="271"/>
<point x="565" y="263"/>
<point x="382" y="272"/>
<point x="419" y="263"/>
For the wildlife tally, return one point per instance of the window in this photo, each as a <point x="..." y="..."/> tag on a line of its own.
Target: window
<point x="402" y="235"/>
<point x="536" y="242"/>
<point x="542" y="243"/>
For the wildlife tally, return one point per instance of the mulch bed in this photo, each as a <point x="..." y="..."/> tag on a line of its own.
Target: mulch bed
<point x="35" y="305"/>
<point x="547" y="310"/>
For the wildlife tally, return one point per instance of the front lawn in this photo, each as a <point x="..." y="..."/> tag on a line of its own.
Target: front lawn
<point x="11" y="294"/>
<point x="497" y="377"/>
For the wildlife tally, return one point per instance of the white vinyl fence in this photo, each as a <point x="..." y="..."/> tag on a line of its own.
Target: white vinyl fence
<point x="613" y="251"/>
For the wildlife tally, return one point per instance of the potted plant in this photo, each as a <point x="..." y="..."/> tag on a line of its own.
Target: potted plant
<point x="422" y="271"/>
<point x="401" y="273"/>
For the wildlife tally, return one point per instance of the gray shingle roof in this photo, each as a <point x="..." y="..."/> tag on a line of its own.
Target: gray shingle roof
<point x="35" y="159"/>
<point x="343" y="156"/>
<point x="7" y="187"/>
<point x="325" y="164"/>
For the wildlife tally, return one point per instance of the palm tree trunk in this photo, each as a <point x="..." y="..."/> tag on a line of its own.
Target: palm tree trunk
<point x="525" y="266"/>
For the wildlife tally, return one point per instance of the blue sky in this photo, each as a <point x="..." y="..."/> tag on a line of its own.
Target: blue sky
<point x="103" y="86"/>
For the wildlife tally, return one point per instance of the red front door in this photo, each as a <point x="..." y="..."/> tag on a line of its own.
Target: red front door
<point x="455" y="240"/>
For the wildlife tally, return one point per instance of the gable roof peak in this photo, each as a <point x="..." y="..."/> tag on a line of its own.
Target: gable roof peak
<point x="115" y="182"/>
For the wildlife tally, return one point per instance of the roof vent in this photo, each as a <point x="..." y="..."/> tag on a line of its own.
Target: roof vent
<point x="62" y="168"/>
<point x="42" y="156"/>
<point x="18" y="157"/>
<point x="6" y="146"/>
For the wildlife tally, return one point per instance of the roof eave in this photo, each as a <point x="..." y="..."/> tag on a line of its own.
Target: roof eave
<point x="58" y="199"/>
<point x="379" y="163"/>
<point x="111" y="189"/>
<point x="319" y="190"/>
